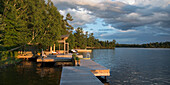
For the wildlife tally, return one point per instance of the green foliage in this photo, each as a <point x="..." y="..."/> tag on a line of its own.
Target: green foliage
<point x="11" y="55"/>
<point x="39" y="22"/>
<point x="32" y="22"/>
<point x="65" y="25"/>
<point x="1" y="30"/>
<point x="4" y="55"/>
<point x="71" y="41"/>
<point x="81" y="40"/>
<point x="75" y="56"/>
<point x="15" y="54"/>
<point x="14" y="20"/>
<point x="8" y="57"/>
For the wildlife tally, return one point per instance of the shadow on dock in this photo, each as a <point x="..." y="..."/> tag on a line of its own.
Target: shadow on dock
<point x="103" y="80"/>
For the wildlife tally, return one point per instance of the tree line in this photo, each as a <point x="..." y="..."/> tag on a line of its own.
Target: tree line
<point x="79" y="39"/>
<point x="148" y="45"/>
<point x="38" y="21"/>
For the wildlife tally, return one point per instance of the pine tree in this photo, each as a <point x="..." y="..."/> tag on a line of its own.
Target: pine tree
<point x="79" y="37"/>
<point x="71" y="41"/>
<point x="67" y="28"/>
<point x="13" y="17"/>
<point x="91" y="40"/>
<point x="53" y="26"/>
<point x="1" y="30"/>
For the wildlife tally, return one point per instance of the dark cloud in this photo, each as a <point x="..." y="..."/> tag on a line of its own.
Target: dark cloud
<point x="119" y="14"/>
<point x="149" y="18"/>
<point x="105" y="30"/>
<point x="65" y="5"/>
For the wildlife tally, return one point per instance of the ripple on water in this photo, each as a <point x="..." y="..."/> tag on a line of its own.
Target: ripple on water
<point x="135" y="66"/>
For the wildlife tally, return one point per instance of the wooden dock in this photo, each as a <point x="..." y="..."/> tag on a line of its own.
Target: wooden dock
<point x="68" y="55"/>
<point x="26" y="55"/>
<point x="95" y="68"/>
<point x="54" y="59"/>
<point x="83" y="74"/>
<point x="65" y="55"/>
<point x="58" y="57"/>
<point x="78" y="76"/>
<point x="83" y="50"/>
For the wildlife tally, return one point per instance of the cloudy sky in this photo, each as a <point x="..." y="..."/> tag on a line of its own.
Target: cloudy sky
<point x="126" y="21"/>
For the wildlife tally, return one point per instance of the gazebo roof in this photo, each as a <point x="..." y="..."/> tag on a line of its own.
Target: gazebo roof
<point x="64" y="36"/>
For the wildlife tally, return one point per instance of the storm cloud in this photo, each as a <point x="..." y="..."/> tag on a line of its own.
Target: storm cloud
<point x="120" y="14"/>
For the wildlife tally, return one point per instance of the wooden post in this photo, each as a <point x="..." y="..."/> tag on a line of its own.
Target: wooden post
<point x="67" y="47"/>
<point x="51" y="48"/>
<point x="59" y="47"/>
<point x="64" y="46"/>
<point x="54" y="48"/>
<point x="105" y="78"/>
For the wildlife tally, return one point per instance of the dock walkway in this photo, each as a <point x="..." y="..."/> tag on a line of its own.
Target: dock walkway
<point x="83" y="74"/>
<point x="53" y="59"/>
<point x="95" y="68"/>
<point x="56" y="58"/>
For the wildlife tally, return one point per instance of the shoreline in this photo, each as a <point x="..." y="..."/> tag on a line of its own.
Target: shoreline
<point x="10" y="64"/>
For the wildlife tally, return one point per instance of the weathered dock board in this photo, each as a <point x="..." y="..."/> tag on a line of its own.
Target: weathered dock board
<point x="25" y="57"/>
<point x="83" y="50"/>
<point x="78" y="76"/>
<point x="68" y="55"/>
<point x="53" y="59"/>
<point x="58" y="57"/>
<point x="65" y="55"/>
<point x="95" y="68"/>
<point x="83" y="74"/>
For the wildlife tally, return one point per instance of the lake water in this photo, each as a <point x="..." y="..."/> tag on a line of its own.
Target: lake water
<point x="29" y="73"/>
<point x="128" y="66"/>
<point x="135" y="66"/>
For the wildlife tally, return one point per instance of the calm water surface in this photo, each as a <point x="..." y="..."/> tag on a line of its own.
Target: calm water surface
<point x="28" y="73"/>
<point x="135" y="66"/>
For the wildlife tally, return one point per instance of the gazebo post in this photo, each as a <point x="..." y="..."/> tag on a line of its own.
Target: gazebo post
<point x="63" y="41"/>
<point x="54" y="48"/>
<point x="64" y="46"/>
<point x="51" y="48"/>
<point x="59" y="48"/>
<point x="67" y="47"/>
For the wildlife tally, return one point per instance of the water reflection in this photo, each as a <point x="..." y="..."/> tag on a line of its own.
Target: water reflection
<point x="27" y="73"/>
<point x="44" y="71"/>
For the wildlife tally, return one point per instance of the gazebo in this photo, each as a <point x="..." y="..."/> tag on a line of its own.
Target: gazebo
<point x="62" y="41"/>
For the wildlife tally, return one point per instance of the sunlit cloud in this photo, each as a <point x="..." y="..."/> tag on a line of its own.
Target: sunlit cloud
<point x="114" y="19"/>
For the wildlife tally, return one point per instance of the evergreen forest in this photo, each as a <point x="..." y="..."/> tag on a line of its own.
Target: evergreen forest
<point x="148" y="45"/>
<point x="38" y="21"/>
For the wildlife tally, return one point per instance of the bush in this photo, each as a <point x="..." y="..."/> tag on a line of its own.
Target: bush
<point x="4" y="55"/>
<point x="11" y="55"/>
<point x="75" y="56"/>
<point x="15" y="54"/>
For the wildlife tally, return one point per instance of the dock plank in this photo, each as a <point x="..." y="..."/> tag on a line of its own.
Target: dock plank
<point x="78" y="76"/>
<point x="85" y="74"/>
<point x="96" y="69"/>
<point x="53" y="59"/>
